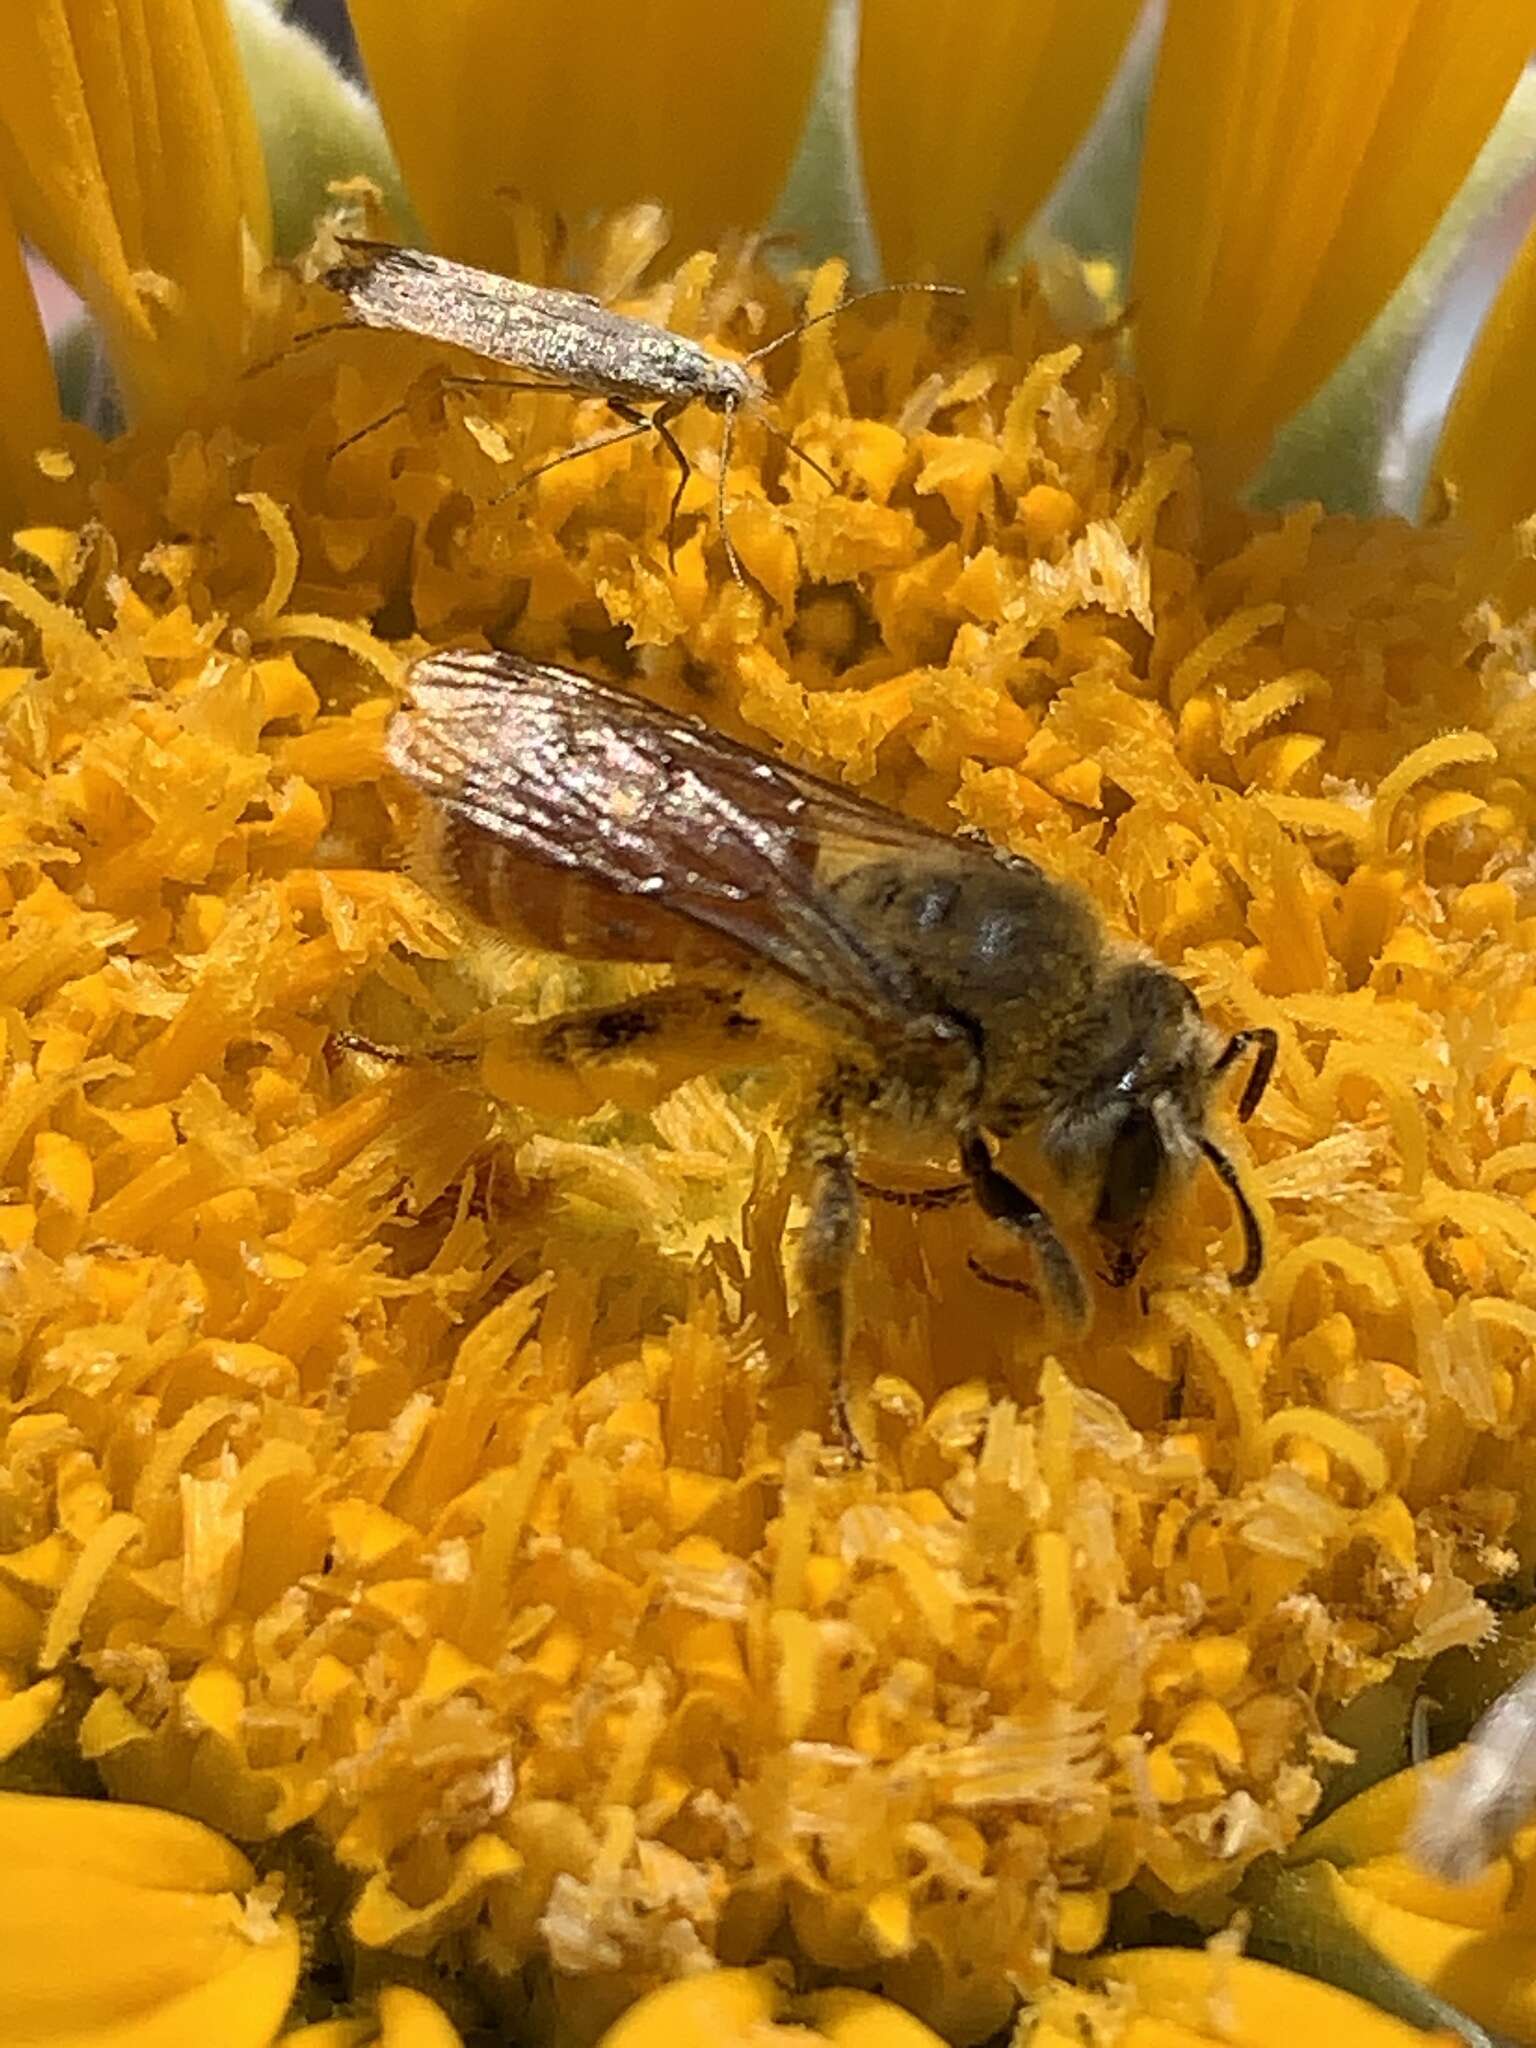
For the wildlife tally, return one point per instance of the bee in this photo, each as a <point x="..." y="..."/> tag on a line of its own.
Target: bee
<point x="956" y="995"/>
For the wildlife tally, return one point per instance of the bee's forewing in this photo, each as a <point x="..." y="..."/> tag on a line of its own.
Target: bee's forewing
<point x="566" y="774"/>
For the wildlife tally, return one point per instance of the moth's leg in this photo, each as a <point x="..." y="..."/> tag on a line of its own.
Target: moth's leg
<point x="1007" y="1203"/>
<point x="370" y="427"/>
<point x="301" y="340"/>
<point x="828" y="1245"/>
<point x="641" y="425"/>
<point x="459" y="381"/>
<point x="659" y="423"/>
<point x="792" y="447"/>
<point x="632" y="1053"/>
<point x="661" y="420"/>
<point x="727" y="443"/>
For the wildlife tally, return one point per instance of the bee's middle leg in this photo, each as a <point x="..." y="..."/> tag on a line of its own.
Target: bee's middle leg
<point x="1007" y="1203"/>
<point x="827" y="1249"/>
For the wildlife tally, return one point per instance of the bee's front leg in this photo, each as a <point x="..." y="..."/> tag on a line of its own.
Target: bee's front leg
<point x="827" y="1247"/>
<point x="1006" y="1202"/>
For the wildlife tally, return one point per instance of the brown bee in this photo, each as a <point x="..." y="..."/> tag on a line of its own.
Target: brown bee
<point x="954" y="994"/>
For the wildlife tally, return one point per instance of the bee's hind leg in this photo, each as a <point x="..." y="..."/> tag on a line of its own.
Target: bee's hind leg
<point x="1007" y="1203"/>
<point x="632" y="1053"/>
<point x="398" y="1055"/>
<point x="827" y="1248"/>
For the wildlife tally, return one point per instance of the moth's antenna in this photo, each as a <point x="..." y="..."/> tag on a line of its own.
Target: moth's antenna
<point x="1253" y="1236"/>
<point x="952" y="291"/>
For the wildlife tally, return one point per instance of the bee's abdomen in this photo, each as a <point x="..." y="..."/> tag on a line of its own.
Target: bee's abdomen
<point x="555" y="908"/>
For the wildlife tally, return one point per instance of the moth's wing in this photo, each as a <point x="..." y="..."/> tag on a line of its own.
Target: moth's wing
<point x="574" y="775"/>
<point x="367" y="264"/>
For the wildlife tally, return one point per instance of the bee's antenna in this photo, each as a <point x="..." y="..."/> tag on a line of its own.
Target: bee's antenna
<point x="952" y="291"/>
<point x="1253" y="1236"/>
<point x="1268" y="1043"/>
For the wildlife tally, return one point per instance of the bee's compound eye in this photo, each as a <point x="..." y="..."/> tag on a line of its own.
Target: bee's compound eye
<point x="1132" y="1174"/>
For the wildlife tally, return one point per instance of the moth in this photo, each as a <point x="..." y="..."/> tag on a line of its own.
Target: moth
<point x="566" y="341"/>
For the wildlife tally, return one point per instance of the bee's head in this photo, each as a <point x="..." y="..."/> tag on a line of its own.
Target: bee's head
<point x="1136" y="1119"/>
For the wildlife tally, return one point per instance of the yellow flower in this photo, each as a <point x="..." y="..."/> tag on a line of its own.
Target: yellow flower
<point x="1275" y="218"/>
<point x="126" y="1928"/>
<point x="1186" y="1998"/>
<point x="414" y="1472"/>
<point x="955" y="165"/>
<point x="748" y="2008"/>
<point x="401" y="2018"/>
<point x="131" y="158"/>
<point x="30" y="416"/>
<point x="599" y="118"/>
<point x="1486" y="453"/>
<point x="1357" y="1897"/>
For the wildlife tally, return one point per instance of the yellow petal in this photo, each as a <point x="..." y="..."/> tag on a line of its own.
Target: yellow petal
<point x="1487" y="452"/>
<point x="27" y="1712"/>
<point x="734" y="2009"/>
<point x="857" y="2019"/>
<point x="967" y="115"/>
<point x="1058" y="2028"/>
<point x="1276" y="217"/>
<point x="726" y="2008"/>
<point x="1491" y="1976"/>
<point x="409" y="2019"/>
<point x="29" y="418"/>
<point x="405" y="2019"/>
<point x="690" y="103"/>
<point x="1373" y="1823"/>
<point x="124" y="1927"/>
<point x="1249" y="2004"/>
<point x="130" y="150"/>
<point x="381" y="1917"/>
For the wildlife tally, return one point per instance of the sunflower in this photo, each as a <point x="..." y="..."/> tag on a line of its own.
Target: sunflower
<point x="428" y="1610"/>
